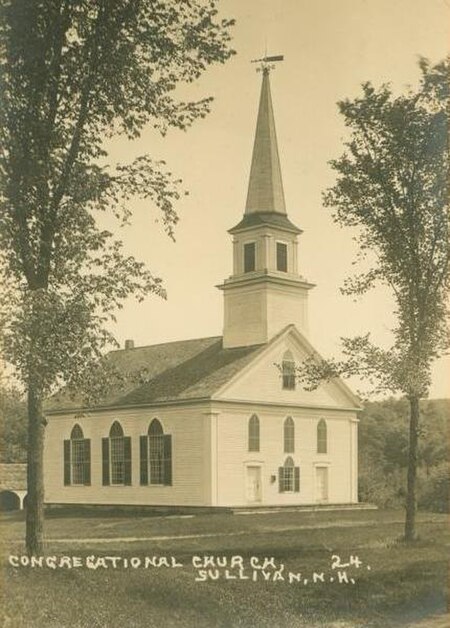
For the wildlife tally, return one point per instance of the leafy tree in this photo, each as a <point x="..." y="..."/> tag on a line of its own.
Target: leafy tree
<point x="382" y="447"/>
<point x="73" y="74"/>
<point x="392" y="187"/>
<point x="13" y="425"/>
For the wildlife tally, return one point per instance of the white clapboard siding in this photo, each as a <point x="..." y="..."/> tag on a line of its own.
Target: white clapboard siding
<point x="233" y="456"/>
<point x="190" y="457"/>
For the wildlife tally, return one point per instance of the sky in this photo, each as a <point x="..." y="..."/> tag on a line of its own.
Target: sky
<point x="330" y="47"/>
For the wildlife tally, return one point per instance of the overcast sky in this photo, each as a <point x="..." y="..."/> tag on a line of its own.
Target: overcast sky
<point x="330" y="48"/>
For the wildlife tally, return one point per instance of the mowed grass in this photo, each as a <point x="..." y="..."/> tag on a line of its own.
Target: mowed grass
<point x="403" y="584"/>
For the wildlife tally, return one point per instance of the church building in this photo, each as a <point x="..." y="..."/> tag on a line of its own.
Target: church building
<point x="221" y="421"/>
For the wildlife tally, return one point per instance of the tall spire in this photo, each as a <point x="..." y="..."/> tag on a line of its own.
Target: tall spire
<point x="265" y="188"/>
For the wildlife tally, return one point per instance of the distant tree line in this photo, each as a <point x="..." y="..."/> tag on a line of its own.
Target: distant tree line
<point x="383" y="449"/>
<point x="383" y="454"/>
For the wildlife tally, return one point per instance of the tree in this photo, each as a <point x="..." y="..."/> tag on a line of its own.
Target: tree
<point x="73" y="74"/>
<point x="383" y="452"/>
<point x="392" y="187"/>
<point x="13" y="425"/>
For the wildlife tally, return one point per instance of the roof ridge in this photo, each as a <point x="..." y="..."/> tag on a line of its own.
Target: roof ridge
<point x="170" y="342"/>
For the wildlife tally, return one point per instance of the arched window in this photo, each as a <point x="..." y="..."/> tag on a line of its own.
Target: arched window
<point x="77" y="458"/>
<point x="289" y="435"/>
<point x="76" y="433"/>
<point x="116" y="456"/>
<point x="321" y="437"/>
<point x="288" y="371"/>
<point x="253" y="433"/>
<point x="289" y="477"/>
<point x="156" y="455"/>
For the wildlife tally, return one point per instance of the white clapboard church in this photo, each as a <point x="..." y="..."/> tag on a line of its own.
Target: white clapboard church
<point x="219" y="422"/>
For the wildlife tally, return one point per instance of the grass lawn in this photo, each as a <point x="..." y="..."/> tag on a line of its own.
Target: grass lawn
<point x="402" y="586"/>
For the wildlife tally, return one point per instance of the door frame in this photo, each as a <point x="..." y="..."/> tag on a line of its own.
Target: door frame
<point x="253" y="465"/>
<point x="321" y="465"/>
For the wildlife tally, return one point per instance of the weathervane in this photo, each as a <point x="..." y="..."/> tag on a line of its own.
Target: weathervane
<point x="267" y="63"/>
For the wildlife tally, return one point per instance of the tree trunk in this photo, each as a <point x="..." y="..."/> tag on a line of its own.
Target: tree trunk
<point x="35" y="473"/>
<point x="410" y="522"/>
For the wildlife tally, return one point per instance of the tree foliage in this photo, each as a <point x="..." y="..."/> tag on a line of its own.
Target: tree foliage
<point x="392" y="188"/>
<point x="13" y="425"/>
<point x="73" y="74"/>
<point x="383" y="453"/>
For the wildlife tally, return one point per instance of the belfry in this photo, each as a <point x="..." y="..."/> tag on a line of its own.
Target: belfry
<point x="265" y="292"/>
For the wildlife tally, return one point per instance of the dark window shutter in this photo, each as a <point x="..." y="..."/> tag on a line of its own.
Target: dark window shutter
<point x="297" y="479"/>
<point x="280" y="480"/>
<point x="105" y="461"/>
<point x="87" y="461"/>
<point x="127" y="460"/>
<point x="67" y="463"/>
<point x="168" y="459"/>
<point x="144" y="459"/>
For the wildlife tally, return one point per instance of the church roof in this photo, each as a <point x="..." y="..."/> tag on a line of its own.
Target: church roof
<point x="272" y="219"/>
<point x="168" y="372"/>
<point x="265" y="188"/>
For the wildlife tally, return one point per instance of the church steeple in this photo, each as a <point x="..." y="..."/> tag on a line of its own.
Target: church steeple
<point x="265" y="293"/>
<point x="265" y="188"/>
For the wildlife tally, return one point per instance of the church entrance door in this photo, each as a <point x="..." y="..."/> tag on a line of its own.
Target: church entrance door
<point x="254" y="493"/>
<point x="322" y="484"/>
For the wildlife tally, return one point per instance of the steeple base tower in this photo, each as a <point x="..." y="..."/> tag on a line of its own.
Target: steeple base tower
<point x="265" y="292"/>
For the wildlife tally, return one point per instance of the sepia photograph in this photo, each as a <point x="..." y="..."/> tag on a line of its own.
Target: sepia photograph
<point x="225" y="352"/>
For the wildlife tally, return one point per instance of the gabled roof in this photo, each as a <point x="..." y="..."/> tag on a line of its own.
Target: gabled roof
<point x="185" y="370"/>
<point x="169" y="372"/>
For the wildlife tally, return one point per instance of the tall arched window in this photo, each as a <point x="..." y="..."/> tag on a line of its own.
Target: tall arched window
<point x="116" y="456"/>
<point x="289" y="477"/>
<point x="321" y="437"/>
<point x="156" y="455"/>
<point x="288" y="371"/>
<point x="77" y="458"/>
<point x="253" y="433"/>
<point x="289" y="435"/>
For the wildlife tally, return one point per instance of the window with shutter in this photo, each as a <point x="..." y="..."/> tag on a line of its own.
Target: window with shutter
<point x="289" y="477"/>
<point x="77" y="458"/>
<point x="117" y="462"/>
<point x="159" y="456"/>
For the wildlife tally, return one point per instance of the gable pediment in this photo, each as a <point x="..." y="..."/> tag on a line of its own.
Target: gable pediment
<point x="261" y="380"/>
